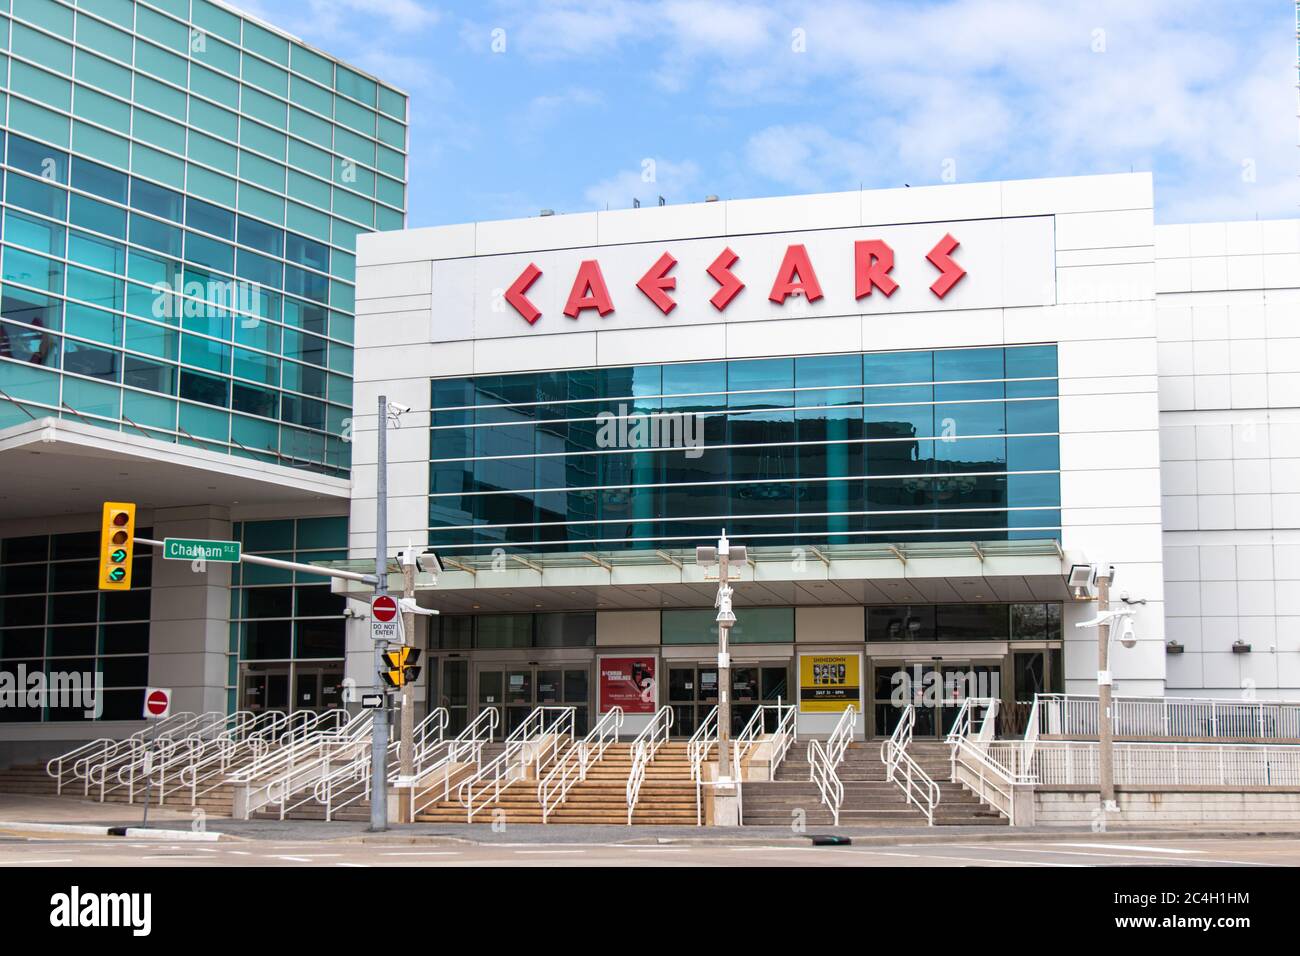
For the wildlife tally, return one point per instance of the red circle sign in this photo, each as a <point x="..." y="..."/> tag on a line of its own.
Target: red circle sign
<point x="156" y="703"/>
<point x="383" y="608"/>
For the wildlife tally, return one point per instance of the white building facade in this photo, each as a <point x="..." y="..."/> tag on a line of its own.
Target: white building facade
<point x="917" y="408"/>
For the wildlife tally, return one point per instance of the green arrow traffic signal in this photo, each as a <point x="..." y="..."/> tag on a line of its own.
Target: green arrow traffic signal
<point x="119" y="556"/>
<point x="117" y="574"/>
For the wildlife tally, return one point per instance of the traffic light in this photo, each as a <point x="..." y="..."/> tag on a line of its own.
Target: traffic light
<point x="400" y="666"/>
<point x="116" y="545"/>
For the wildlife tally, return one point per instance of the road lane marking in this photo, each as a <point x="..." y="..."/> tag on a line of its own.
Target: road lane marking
<point x="551" y="852"/>
<point x="1125" y="846"/>
<point x="423" y="853"/>
<point x="26" y="862"/>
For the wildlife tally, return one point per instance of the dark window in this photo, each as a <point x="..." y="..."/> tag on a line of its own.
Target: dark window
<point x="156" y="200"/>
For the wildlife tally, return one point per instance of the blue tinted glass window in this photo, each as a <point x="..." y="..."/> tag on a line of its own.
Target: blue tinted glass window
<point x="952" y="365"/>
<point x="37" y="159"/>
<point x="316" y="255"/>
<point x="1031" y="361"/>
<point x="260" y="236"/>
<point x="156" y="235"/>
<point x="683" y="383"/>
<point x="304" y="283"/>
<point x="258" y="269"/>
<point x="209" y="252"/>
<point x="209" y="218"/>
<point x="98" y="216"/>
<point x="147" y="197"/>
<point x="36" y="195"/>
<point x="892" y="368"/>
<point x="1033" y="454"/>
<point x="100" y="180"/>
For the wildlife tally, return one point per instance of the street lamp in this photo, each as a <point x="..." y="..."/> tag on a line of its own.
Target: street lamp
<point x="722" y="557"/>
<point x="1082" y="579"/>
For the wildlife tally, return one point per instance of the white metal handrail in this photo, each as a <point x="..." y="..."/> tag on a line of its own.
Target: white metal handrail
<point x="465" y="747"/>
<point x="702" y="741"/>
<point x="548" y="725"/>
<point x="350" y="782"/>
<point x="306" y="734"/>
<point x="644" y="748"/>
<point x="1074" y="763"/>
<point x="57" y="766"/>
<point x="571" y="768"/>
<point x="786" y="734"/>
<point x="754" y="731"/>
<point x="917" y="786"/>
<point x="1186" y="718"/>
<point x="824" y="761"/>
<point x="299" y="764"/>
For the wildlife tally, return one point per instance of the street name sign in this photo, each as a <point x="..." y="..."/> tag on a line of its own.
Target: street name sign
<point x="191" y="549"/>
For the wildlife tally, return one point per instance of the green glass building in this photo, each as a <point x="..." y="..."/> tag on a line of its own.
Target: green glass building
<point x="183" y="188"/>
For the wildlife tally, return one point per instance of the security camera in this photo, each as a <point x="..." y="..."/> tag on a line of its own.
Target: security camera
<point x="397" y="408"/>
<point x="1127" y="635"/>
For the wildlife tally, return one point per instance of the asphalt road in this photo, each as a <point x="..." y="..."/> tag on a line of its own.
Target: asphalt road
<point x="17" y="852"/>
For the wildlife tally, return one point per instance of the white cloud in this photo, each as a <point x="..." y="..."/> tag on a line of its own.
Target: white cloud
<point x="888" y="90"/>
<point x="675" y="180"/>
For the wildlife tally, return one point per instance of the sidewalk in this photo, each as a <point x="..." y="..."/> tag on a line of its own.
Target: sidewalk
<point x="43" y="809"/>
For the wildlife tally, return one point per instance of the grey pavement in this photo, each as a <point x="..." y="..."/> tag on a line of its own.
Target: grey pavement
<point x="1064" y="851"/>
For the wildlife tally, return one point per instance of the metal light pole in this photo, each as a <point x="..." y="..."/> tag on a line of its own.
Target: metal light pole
<point x="722" y="556"/>
<point x="379" y="728"/>
<point x="1105" y="721"/>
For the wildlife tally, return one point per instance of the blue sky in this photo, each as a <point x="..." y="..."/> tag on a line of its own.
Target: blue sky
<point x="576" y="105"/>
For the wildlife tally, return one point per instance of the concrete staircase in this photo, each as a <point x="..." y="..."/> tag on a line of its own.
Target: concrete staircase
<point x="869" y="798"/>
<point x="31" y="779"/>
<point x="667" y="796"/>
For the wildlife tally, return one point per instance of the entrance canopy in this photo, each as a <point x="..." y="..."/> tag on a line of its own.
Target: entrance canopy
<point x="912" y="573"/>
<point x="54" y="467"/>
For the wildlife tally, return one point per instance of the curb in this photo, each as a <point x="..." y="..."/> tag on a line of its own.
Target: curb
<point x="1004" y="835"/>
<point x="133" y="833"/>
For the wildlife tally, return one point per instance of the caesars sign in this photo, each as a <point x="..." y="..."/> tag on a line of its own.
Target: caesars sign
<point x="828" y="683"/>
<point x="972" y="264"/>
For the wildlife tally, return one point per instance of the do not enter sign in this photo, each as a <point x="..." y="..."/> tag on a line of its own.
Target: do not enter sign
<point x="157" y="703"/>
<point x="384" y="608"/>
<point x="384" y="624"/>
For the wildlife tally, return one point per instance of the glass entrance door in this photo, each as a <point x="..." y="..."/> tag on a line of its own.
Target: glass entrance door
<point x="936" y="689"/>
<point x="318" y="687"/>
<point x="516" y="690"/>
<point x="692" y="693"/>
<point x="448" y="679"/>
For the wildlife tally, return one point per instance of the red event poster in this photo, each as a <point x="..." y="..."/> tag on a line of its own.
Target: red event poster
<point x="627" y="682"/>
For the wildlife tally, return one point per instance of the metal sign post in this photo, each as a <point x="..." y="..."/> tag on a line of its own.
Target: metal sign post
<point x="157" y="705"/>
<point x="379" y="726"/>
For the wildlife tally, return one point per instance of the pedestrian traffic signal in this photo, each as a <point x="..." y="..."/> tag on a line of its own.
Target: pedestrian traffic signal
<point x="399" y="666"/>
<point x="116" y="545"/>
